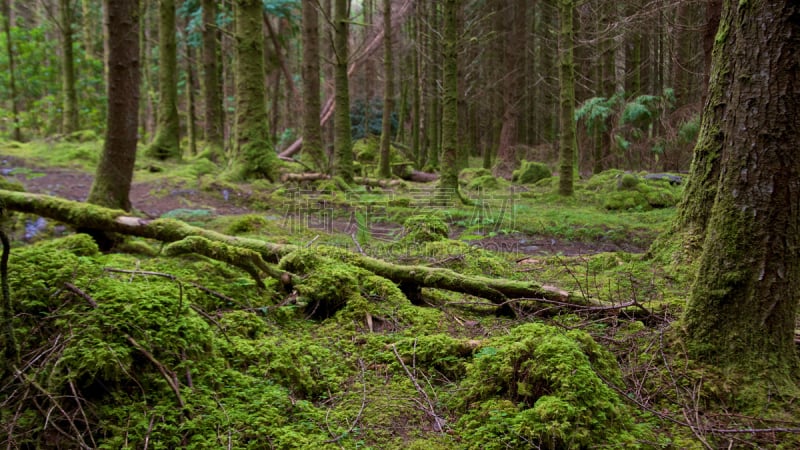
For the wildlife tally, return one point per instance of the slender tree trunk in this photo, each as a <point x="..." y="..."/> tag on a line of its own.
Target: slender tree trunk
<point x="388" y="93"/>
<point x="112" y="182"/>
<point x="434" y="122"/>
<point x="568" y="143"/>
<point x="512" y="88"/>
<point x="69" y="118"/>
<point x="448" y="183"/>
<point x="16" y="131"/>
<point x="343" y="146"/>
<point x="254" y="154"/>
<point x="416" y="81"/>
<point x="312" y="131"/>
<point x="743" y="304"/>
<point x="191" y="114"/>
<point x="212" y="84"/>
<point x="166" y="144"/>
<point x="89" y="32"/>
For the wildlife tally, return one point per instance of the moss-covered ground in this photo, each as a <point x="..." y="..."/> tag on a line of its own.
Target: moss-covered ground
<point x="136" y="349"/>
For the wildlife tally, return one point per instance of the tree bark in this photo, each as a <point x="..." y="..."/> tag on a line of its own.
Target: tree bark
<point x="166" y="144"/>
<point x="312" y="130"/>
<point x="448" y="182"/>
<point x="69" y="118"/>
<point x="212" y="85"/>
<point x="743" y="304"/>
<point x="16" y="130"/>
<point x="568" y="144"/>
<point x="112" y="182"/>
<point x="254" y="155"/>
<point x="342" y="144"/>
<point x="388" y="93"/>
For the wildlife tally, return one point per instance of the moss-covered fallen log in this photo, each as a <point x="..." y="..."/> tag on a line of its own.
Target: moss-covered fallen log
<point x="409" y="278"/>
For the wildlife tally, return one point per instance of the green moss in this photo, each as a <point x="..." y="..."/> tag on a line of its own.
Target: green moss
<point x="250" y="223"/>
<point x="487" y="182"/>
<point x="542" y="386"/>
<point x="628" y="181"/>
<point x="424" y="228"/>
<point x="531" y="172"/>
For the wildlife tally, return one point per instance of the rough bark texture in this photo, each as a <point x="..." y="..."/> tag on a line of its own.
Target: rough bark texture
<point x="69" y="118"/>
<point x="254" y="154"/>
<point x="342" y="143"/>
<point x="212" y="85"/>
<point x="568" y="143"/>
<point x="83" y="216"/>
<point x="512" y="89"/>
<point x="448" y="183"/>
<point x="388" y="93"/>
<point x="166" y="144"/>
<point x="16" y="131"/>
<point x="743" y="304"/>
<point x="112" y="182"/>
<point x="312" y="130"/>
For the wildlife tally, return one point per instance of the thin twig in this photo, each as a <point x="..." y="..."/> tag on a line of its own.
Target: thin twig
<point x="429" y="409"/>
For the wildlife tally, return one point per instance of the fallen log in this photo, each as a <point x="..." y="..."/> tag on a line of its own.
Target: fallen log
<point x="409" y="278"/>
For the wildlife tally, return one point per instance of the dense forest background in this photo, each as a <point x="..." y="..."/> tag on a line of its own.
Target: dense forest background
<point x="640" y="80"/>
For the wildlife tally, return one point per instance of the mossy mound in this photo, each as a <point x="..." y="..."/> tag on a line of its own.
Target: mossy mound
<point x="620" y="191"/>
<point x="331" y="287"/>
<point x="424" y="228"/>
<point x="542" y="387"/>
<point x="531" y="172"/>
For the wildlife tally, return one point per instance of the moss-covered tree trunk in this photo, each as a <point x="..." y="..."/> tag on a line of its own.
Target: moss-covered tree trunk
<point x="743" y="304"/>
<point x="112" y="181"/>
<point x="448" y="183"/>
<point x="567" y="143"/>
<point x="69" y="114"/>
<point x="212" y="84"/>
<point x="342" y="142"/>
<point x="312" y="130"/>
<point x="433" y="123"/>
<point x="166" y="144"/>
<point x="16" y="130"/>
<point x="388" y="92"/>
<point x="254" y="153"/>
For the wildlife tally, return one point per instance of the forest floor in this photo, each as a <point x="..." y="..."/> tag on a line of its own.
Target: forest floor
<point x="264" y="367"/>
<point x="161" y="196"/>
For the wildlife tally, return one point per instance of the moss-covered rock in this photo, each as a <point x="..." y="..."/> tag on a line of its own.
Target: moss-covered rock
<point x="424" y="228"/>
<point x="531" y="172"/>
<point x="543" y="387"/>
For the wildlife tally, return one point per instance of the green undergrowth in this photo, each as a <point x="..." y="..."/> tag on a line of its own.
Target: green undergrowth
<point x="343" y="361"/>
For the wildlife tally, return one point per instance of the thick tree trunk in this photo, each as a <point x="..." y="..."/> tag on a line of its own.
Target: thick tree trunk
<point x="166" y="144"/>
<point x="568" y="143"/>
<point x="254" y="155"/>
<point x="212" y="85"/>
<point x="342" y="144"/>
<point x="312" y="130"/>
<point x="112" y="182"/>
<point x="743" y="304"/>
<point x="69" y="118"/>
<point x="388" y="93"/>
